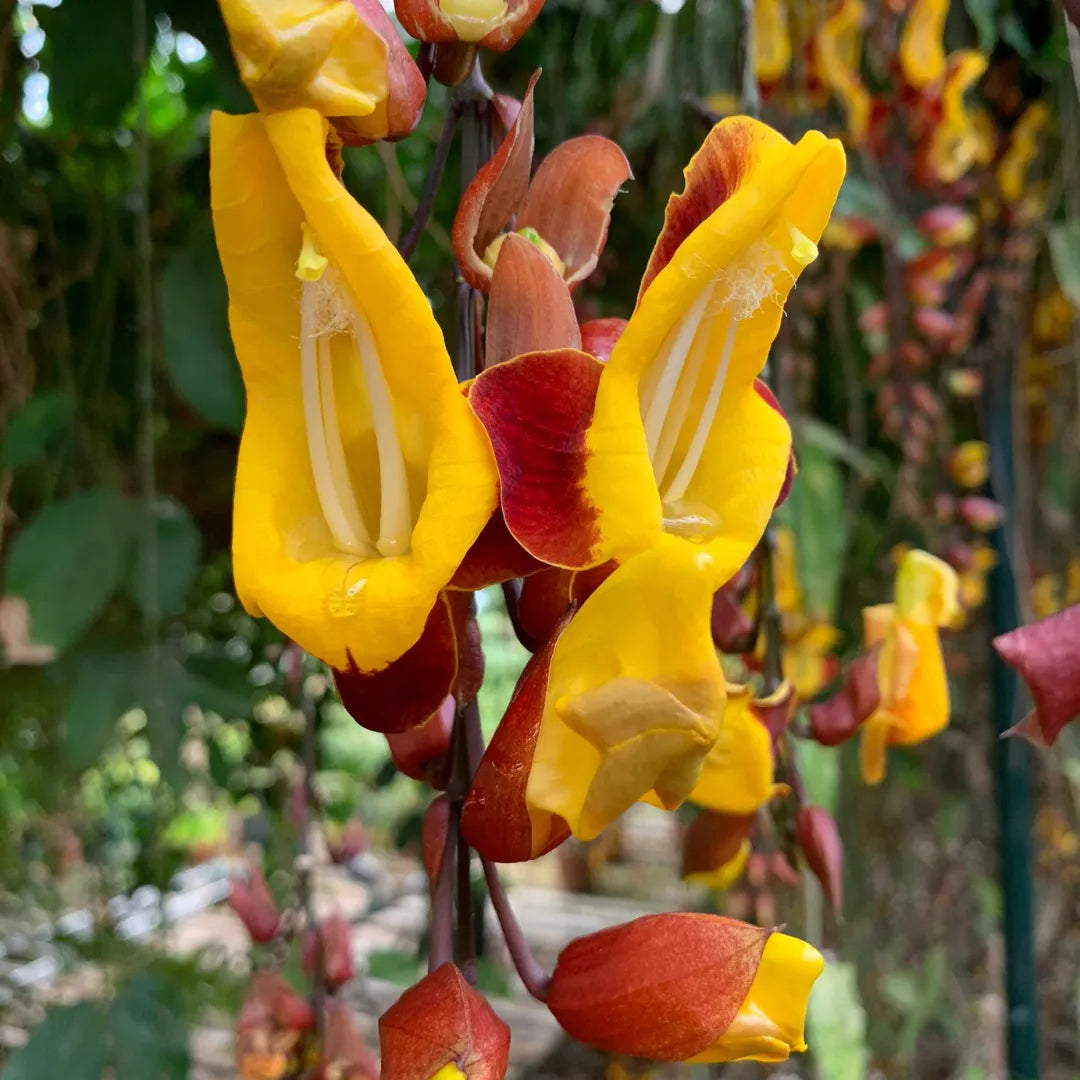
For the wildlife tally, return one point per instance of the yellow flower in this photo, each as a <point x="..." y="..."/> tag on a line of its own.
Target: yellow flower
<point x="315" y="53"/>
<point x="911" y="669"/>
<point x="1012" y="170"/>
<point x="955" y="144"/>
<point x="674" y="435"/>
<point x="772" y="41"/>
<point x="363" y="477"/>
<point x="770" y="1022"/>
<point x="922" y="44"/>
<point x="839" y="55"/>
<point x="635" y="697"/>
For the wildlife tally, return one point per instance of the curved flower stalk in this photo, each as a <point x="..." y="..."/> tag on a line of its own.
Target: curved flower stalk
<point x="491" y="24"/>
<point x="363" y="477"/>
<point x="342" y="58"/>
<point x="672" y="436"/>
<point x="922" y="44"/>
<point x="682" y="987"/>
<point x="914" y="690"/>
<point x="564" y="210"/>
<point x="838" y="51"/>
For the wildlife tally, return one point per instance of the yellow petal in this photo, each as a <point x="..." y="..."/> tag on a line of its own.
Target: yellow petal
<point x="772" y="41"/>
<point x="926" y="589"/>
<point x="269" y="178"/>
<point x="680" y="440"/>
<point x="873" y="740"/>
<point x="769" y="1025"/>
<point x="636" y="694"/>
<point x="738" y="773"/>
<point x="725" y="875"/>
<point x="839" y="56"/>
<point x="922" y="44"/>
<point x="317" y="54"/>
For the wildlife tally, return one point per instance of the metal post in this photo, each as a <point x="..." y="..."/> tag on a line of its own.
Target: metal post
<point x="1012" y="758"/>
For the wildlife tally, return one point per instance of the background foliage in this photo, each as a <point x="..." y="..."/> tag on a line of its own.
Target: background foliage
<point x="148" y="714"/>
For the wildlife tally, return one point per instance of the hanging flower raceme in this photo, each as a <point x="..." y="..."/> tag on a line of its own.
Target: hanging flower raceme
<point x="913" y="686"/>
<point x="838" y="56"/>
<point x="922" y="44"/>
<point x="363" y="476"/>
<point x="564" y="211"/>
<point x="685" y="987"/>
<point x="492" y="24"/>
<point x="443" y="1029"/>
<point x="342" y="58"/>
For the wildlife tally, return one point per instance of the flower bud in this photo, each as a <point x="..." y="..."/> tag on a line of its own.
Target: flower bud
<point x="947" y="225"/>
<point x="327" y="952"/>
<point x="270" y="1028"/>
<point x="716" y="848"/>
<point x="254" y="903"/>
<point x="492" y="24"/>
<point x="415" y="750"/>
<point x="1047" y="656"/>
<point x="969" y="464"/>
<point x="342" y="58"/>
<point x="823" y="849"/>
<point x="345" y="1054"/>
<point x="686" y="987"/>
<point x="979" y="513"/>
<point x="441" y="1025"/>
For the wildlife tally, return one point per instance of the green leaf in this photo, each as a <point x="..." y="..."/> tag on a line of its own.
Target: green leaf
<point x="815" y="511"/>
<point x="149" y="1030"/>
<point x="983" y="13"/>
<point x="836" y="1025"/>
<point x="198" y="353"/>
<point x="37" y="428"/>
<point x="824" y="437"/>
<point x="106" y="685"/>
<point x="92" y="74"/>
<point x="1065" y="254"/>
<point x="179" y="552"/>
<point x="68" y="562"/>
<point x="71" y="1042"/>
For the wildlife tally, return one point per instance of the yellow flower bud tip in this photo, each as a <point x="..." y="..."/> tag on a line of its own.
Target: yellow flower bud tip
<point x="473" y="19"/>
<point x="311" y="265"/>
<point x="491" y="253"/>
<point x="803" y="250"/>
<point x="449" y="1071"/>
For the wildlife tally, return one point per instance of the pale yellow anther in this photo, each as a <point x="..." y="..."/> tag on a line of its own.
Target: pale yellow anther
<point x="311" y="265"/>
<point x="449" y="1072"/>
<point x="803" y="250"/>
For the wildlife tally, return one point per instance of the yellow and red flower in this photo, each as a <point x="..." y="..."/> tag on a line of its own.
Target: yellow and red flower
<point x="491" y="24"/>
<point x="685" y="987"/>
<point x="342" y="58"/>
<point x="443" y="1029"/>
<point x="914" y="689"/>
<point x="363" y="476"/>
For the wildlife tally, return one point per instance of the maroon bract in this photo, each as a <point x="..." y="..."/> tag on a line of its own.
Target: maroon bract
<point x="1047" y="656"/>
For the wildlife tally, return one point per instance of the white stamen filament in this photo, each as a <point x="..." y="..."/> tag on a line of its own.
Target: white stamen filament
<point x="332" y="485"/>
<point x="680" y="406"/>
<point x="677" y="488"/>
<point x="395" y="522"/>
<point x="670" y="365"/>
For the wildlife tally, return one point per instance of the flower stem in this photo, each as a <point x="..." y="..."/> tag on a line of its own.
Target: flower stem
<point x="432" y="182"/>
<point x="534" y="977"/>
